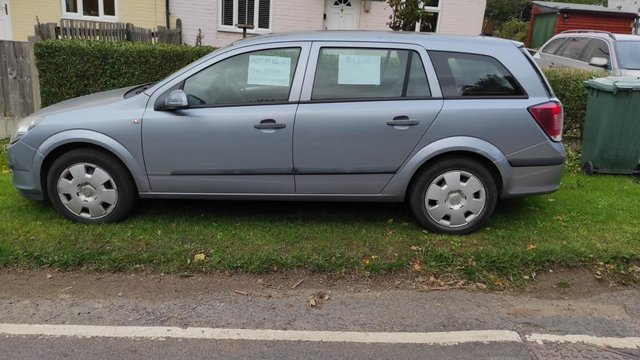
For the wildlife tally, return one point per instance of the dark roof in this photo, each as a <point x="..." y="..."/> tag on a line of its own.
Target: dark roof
<point x="559" y="6"/>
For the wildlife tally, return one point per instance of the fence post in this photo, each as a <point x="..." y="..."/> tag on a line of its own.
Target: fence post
<point x="35" y="77"/>
<point x="179" y="30"/>
<point x="129" y="32"/>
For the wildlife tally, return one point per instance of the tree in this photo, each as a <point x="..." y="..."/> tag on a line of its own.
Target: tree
<point x="405" y="14"/>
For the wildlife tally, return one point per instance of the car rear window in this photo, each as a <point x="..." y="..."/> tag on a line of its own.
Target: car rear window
<point x="473" y="75"/>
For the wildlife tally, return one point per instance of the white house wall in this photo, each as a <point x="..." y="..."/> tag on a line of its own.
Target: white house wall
<point x="462" y="17"/>
<point x="457" y="17"/>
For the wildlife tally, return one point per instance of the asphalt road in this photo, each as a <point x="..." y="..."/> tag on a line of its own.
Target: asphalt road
<point x="340" y="310"/>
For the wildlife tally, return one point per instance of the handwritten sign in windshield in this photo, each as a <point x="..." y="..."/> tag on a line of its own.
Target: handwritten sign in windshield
<point x="359" y="70"/>
<point x="269" y="70"/>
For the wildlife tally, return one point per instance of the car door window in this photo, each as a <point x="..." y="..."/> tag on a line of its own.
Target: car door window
<point x="597" y="48"/>
<point x="574" y="48"/>
<point x="263" y="76"/>
<point x="358" y="73"/>
<point x="462" y="74"/>
<point x="553" y="46"/>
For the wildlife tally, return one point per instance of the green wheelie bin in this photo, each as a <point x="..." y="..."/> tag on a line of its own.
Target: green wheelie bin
<point x="611" y="136"/>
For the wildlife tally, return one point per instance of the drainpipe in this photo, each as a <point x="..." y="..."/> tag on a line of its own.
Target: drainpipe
<point x="168" y="15"/>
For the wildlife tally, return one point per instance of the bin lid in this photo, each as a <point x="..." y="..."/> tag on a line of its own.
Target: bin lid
<point x="614" y="83"/>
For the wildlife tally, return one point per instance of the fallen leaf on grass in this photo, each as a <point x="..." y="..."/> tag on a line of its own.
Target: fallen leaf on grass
<point x="416" y="266"/>
<point x="199" y="257"/>
<point x="531" y="246"/>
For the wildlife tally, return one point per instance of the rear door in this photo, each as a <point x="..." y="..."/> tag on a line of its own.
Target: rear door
<point x="363" y="109"/>
<point x="572" y="54"/>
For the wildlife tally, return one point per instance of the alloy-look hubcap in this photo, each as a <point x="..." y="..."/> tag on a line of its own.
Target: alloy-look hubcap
<point x="455" y="198"/>
<point x="87" y="191"/>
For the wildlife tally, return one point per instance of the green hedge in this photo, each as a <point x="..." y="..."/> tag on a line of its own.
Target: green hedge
<point x="568" y="84"/>
<point x="70" y="68"/>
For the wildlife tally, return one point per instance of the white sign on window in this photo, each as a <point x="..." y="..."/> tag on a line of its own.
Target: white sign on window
<point x="359" y="70"/>
<point x="269" y="70"/>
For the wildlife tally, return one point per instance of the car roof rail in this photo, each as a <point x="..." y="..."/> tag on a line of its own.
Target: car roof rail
<point x="611" y="35"/>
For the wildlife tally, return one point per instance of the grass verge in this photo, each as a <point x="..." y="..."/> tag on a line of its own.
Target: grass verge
<point x="591" y="222"/>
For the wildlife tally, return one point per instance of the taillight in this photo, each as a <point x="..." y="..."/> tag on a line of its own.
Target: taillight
<point x="550" y="118"/>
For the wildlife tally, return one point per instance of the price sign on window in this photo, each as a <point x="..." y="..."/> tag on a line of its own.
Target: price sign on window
<point x="269" y="70"/>
<point x="359" y="70"/>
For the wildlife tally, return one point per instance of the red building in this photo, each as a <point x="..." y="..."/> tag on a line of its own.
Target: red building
<point x="550" y="18"/>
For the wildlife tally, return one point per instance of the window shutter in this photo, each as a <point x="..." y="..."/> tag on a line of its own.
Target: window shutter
<point x="227" y="12"/>
<point x="264" y="14"/>
<point x="243" y="12"/>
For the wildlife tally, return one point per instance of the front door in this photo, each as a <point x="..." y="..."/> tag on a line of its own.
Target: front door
<point x="342" y="14"/>
<point x="5" y="21"/>
<point x="236" y="136"/>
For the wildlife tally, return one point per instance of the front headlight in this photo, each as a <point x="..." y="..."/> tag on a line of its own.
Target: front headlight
<point x="24" y="126"/>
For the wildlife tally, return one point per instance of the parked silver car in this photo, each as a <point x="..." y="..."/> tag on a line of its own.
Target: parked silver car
<point x="592" y="50"/>
<point x="449" y="124"/>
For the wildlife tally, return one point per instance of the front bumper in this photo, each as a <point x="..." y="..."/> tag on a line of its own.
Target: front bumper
<point x="21" y="159"/>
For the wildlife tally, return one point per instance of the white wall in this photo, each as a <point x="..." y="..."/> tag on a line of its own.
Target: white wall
<point x="457" y="17"/>
<point x="462" y="17"/>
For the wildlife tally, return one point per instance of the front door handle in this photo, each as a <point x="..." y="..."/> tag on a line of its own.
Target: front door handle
<point x="269" y="124"/>
<point x="402" y="121"/>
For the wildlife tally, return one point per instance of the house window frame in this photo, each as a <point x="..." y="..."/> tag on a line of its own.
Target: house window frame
<point x="80" y="16"/>
<point x="256" y="11"/>
<point x="432" y="9"/>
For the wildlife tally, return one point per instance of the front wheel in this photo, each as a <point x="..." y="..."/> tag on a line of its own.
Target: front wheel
<point x="454" y="196"/>
<point x="90" y="186"/>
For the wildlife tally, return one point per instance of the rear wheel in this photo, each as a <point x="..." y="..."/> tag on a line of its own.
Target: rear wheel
<point x="90" y="186"/>
<point x="454" y="196"/>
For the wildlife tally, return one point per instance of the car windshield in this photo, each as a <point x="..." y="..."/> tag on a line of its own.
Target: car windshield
<point x="628" y="54"/>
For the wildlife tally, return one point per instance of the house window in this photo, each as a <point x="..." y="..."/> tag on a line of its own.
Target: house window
<point x="431" y="10"/>
<point x="250" y="12"/>
<point x="90" y="9"/>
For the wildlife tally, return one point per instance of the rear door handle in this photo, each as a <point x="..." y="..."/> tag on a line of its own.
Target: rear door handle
<point x="402" y="121"/>
<point x="269" y="124"/>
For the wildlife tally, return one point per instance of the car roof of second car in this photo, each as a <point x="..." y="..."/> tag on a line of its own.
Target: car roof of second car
<point x="601" y="35"/>
<point x="373" y="36"/>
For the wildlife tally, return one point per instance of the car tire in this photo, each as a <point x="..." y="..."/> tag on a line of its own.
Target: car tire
<point x="91" y="186"/>
<point x="453" y="196"/>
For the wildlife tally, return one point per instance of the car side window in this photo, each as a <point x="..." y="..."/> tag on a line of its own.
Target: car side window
<point x="462" y="74"/>
<point x="574" y="48"/>
<point x="361" y="73"/>
<point x="263" y="76"/>
<point x="553" y="46"/>
<point x="597" y="48"/>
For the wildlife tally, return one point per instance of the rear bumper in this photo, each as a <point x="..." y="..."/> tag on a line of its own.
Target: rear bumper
<point x="533" y="180"/>
<point x="21" y="158"/>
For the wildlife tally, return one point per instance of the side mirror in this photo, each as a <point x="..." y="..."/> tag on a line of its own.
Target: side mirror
<point x="599" y="62"/>
<point x="176" y="100"/>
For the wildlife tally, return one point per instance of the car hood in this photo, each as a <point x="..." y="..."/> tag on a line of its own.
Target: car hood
<point x="87" y="101"/>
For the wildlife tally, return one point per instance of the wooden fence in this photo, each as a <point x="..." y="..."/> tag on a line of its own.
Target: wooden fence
<point x="107" y="31"/>
<point x="19" y="83"/>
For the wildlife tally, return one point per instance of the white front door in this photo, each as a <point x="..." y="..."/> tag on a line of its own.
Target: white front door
<point x="5" y="21"/>
<point x="341" y="14"/>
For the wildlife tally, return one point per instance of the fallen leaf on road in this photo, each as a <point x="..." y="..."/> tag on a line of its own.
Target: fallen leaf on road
<point x="312" y="302"/>
<point x="49" y="276"/>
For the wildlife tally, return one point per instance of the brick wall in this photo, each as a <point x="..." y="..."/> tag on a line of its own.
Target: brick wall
<point x="459" y="17"/>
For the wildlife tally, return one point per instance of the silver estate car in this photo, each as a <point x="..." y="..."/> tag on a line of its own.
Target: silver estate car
<point x="448" y="124"/>
<point x="592" y="50"/>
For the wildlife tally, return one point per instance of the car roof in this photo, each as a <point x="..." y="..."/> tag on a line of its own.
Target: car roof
<point x="372" y="36"/>
<point x="599" y="34"/>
